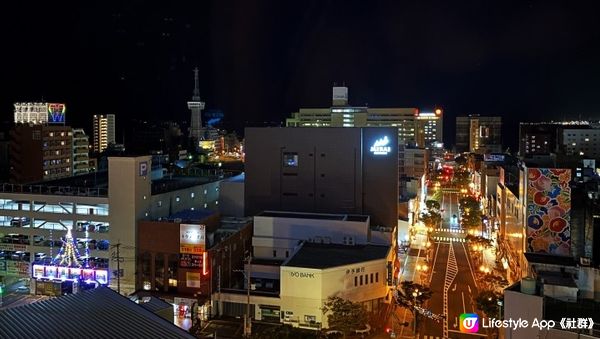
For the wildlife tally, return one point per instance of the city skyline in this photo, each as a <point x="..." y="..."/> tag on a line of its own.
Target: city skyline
<point x="261" y="62"/>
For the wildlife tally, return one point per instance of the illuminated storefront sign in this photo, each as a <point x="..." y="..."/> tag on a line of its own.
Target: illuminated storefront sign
<point x="380" y="146"/>
<point x="192" y="239"/>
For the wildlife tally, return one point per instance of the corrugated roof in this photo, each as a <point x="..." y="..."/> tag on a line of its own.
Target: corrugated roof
<point x="98" y="313"/>
<point x="154" y="304"/>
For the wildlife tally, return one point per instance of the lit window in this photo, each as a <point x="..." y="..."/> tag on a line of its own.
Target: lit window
<point x="177" y="199"/>
<point x="192" y="195"/>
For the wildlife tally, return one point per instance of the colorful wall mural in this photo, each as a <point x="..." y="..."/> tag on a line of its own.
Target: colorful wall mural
<point x="548" y="211"/>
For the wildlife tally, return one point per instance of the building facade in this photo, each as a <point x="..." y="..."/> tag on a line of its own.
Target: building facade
<point x="479" y="134"/>
<point x="104" y="131"/>
<point x="323" y="170"/>
<point x="81" y="152"/>
<point x="40" y="152"/>
<point x="102" y="213"/>
<point x="414" y="127"/>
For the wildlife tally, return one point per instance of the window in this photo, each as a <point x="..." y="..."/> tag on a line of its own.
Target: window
<point x="371" y="278"/>
<point x="287" y="254"/>
<point x="310" y="318"/>
<point x="377" y="277"/>
<point x="290" y="159"/>
<point x="366" y="279"/>
<point x="274" y="253"/>
<point x="361" y="280"/>
<point x="192" y="195"/>
<point x="355" y="281"/>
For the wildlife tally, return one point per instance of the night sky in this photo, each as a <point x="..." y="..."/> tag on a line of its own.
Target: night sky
<point x="262" y="60"/>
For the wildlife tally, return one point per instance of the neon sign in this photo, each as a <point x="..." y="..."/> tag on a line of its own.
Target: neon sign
<point x="56" y="113"/>
<point x="380" y="146"/>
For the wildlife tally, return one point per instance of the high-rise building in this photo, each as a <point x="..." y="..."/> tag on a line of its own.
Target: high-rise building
<point x="429" y="128"/>
<point x="567" y="138"/>
<point x="40" y="152"/>
<point x="104" y="131"/>
<point x="414" y="127"/>
<point x="196" y="106"/>
<point x="81" y="152"/>
<point x="478" y="134"/>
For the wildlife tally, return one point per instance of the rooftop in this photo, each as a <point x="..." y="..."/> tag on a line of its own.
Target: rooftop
<point x="540" y="258"/>
<point x="319" y="216"/>
<point x="189" y="215"/>
<point x="97" y="313"/>
<point x="321" y="256"/>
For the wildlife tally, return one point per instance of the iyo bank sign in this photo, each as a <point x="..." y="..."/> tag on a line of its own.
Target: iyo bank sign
<point x="381" y="146"/>
<point x="302" y="275"/>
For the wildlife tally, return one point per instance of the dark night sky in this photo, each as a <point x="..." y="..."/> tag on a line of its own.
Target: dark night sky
<point x="262" y="60"/>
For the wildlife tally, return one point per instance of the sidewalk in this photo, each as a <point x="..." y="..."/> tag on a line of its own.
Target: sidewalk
<point x="416" y="256"/>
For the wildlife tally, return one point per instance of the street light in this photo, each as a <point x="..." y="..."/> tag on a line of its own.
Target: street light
<point x="415" y="294"/>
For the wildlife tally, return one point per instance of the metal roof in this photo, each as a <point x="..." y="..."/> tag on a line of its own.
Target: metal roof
<point x="322" y="256"/>
<point x="98" y="313"/>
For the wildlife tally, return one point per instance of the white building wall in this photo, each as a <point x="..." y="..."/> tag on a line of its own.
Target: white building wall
<point x="285" y="234"/>
<point x="129" y="195"/>
<point x="525" y="306"/>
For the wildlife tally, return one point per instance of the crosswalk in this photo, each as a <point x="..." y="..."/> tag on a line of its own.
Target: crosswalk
<point x="449" y="239"/>
<point x="450" y="230"/>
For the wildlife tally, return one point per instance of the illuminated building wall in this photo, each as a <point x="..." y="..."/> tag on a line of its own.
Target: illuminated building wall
<point x="479" y="134"/>
<point x="548" y="211"/>
<point x="104" y="131"/>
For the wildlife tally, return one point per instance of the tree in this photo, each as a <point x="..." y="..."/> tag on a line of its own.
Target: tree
<point x="344" y="315"/>
<point x="432" y="217"/>
<point x="432" y="205"/>
<point x="405" y="298"/>
<point x="487" y="301"/>
<point x="470" y="212"/>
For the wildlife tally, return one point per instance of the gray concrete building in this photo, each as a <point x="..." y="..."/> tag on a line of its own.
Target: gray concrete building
<point x="323" y="170"/>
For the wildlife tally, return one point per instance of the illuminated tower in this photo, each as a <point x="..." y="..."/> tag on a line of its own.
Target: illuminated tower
<point x="196" y="106"/>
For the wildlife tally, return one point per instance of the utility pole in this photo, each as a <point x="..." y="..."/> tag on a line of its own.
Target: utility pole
<point x="118" y="259"/>
<point x="247" y="317"/>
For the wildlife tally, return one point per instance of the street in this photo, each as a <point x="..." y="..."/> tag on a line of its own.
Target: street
<point x="452" y="280"/>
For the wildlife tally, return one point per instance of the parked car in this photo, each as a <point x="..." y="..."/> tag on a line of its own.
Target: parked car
<point x="23" y="289"/>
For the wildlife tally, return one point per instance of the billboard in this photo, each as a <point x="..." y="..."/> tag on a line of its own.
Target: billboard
<point x="548" y="211"/>
<point x="56" y="113"/>
<point x="192" y="238"/>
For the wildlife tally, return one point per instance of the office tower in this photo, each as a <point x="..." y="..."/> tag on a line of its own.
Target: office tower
<point x="478" y="134"/>
<point x="40" y="152"/>
<point x="414" y="127"/>
<point x="429" y="128"/>
<point x="196" y="106"/>
<point x="81" y="150"/>
<point x="104" y="131"/>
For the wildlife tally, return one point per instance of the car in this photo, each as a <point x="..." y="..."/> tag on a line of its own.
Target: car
<point x="23" y="289"/>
